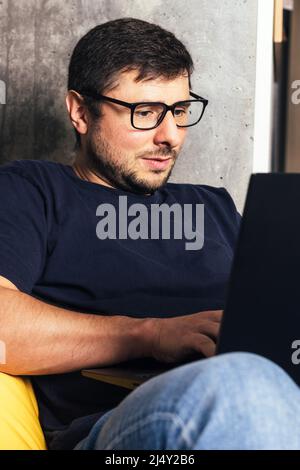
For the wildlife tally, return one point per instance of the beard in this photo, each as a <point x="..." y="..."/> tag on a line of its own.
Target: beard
<point x="102" y="160"/>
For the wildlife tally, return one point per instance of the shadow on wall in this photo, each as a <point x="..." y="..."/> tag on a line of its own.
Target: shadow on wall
<point x="35" y="126"/>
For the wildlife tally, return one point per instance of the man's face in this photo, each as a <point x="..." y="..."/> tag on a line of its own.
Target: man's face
<point x="125" y="157"/>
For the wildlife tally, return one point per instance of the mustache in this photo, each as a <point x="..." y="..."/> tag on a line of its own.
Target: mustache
<point x="159" y="153"/>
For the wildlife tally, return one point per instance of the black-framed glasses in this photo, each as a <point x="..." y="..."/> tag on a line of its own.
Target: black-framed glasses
<point x="148" y="114"/>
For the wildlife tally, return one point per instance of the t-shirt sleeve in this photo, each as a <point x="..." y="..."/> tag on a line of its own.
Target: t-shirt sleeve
<point x="23" y="231"/>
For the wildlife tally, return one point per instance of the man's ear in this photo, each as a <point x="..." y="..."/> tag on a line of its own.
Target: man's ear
<point x="77" y="111"/>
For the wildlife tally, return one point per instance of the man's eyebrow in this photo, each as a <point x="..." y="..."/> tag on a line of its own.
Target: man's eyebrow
<point x="183" y="103"/>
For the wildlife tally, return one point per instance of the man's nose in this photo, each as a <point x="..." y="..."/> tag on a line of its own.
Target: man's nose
<point x="168" y="132"/>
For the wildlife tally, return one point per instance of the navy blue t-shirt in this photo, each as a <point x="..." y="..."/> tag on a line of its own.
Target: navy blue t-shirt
<point x="50" y="250"/>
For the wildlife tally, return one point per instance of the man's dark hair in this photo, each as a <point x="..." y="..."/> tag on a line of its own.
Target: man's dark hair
<point x="122" y="45"/>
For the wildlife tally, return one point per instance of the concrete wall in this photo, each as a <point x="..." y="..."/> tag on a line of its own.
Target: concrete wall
<point x="37" y="38"/>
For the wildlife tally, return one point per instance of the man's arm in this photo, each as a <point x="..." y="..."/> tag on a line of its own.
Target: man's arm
<point x="45" y="339"/>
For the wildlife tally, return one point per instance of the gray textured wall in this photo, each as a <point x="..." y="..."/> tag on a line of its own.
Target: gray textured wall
<point x="37" y="38"/>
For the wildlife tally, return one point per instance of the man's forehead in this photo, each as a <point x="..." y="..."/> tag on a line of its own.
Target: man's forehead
<point x="150" y="89"/>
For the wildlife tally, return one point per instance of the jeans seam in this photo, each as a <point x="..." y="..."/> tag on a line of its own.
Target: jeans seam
<point x="143" y="421"/>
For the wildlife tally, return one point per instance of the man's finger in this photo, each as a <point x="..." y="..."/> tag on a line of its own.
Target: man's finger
<point x="213" y="315"/>
<point x="210" y="328"/>
<point x="205" y="345"/>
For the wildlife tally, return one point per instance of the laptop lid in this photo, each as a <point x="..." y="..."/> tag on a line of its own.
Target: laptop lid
<point x="262" y="312"/>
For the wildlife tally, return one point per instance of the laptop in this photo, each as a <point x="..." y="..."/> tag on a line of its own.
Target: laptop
<point x="262" y="310"/>
<point x="131" y="374"/>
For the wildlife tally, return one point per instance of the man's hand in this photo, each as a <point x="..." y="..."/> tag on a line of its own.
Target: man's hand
<point x="177" y="338"/>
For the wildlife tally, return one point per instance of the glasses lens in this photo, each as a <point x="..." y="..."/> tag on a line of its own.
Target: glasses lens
<point x="146" y="116"/>
<point x="187" y="114"/>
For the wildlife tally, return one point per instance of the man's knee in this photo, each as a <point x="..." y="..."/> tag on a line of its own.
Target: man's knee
<point x="235" y="368"/>
<point x="239" y="371"/>
<point x="233" y="379"/>
<point x="238" y="383"/>
<point x="248" y="371"/>
<point x="229" y="378"/>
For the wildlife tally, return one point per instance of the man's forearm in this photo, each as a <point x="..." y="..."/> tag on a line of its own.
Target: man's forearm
<point x="45" y="339"/>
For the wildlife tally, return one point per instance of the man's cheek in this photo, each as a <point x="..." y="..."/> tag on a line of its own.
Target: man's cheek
<point x="137" y="143"/>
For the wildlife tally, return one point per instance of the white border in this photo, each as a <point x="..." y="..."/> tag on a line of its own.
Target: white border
<point x="263" y="88"/>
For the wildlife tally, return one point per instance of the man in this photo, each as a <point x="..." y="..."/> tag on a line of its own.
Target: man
<point x="80" y="290"/>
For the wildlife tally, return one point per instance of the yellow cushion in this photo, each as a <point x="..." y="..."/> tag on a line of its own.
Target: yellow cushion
<point x="20" y="428"/>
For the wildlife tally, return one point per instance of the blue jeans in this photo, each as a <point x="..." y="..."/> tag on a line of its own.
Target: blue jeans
<point x="232" y="401"/>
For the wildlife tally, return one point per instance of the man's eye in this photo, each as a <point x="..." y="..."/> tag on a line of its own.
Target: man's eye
<point x="143" y="113"/>
<point x="180" y="112"/>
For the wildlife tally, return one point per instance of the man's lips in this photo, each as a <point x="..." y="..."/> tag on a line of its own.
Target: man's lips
<point x="160" y="159"/>
<point x="157" y="163"/>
